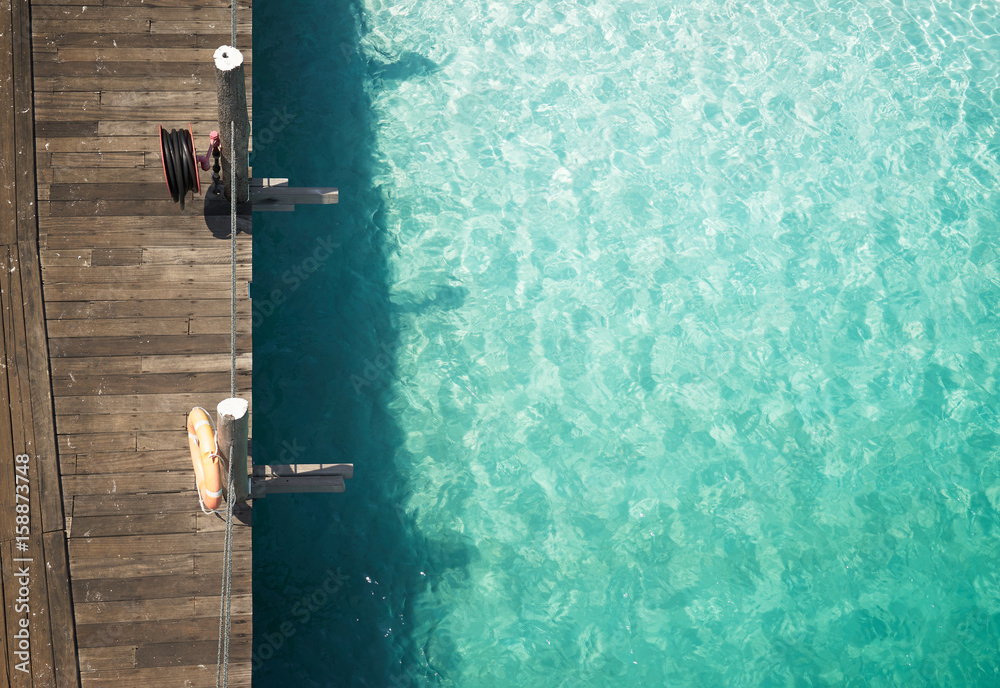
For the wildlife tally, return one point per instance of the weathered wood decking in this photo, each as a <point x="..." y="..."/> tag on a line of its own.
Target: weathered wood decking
<point x="136" y="309"/>
<point x="38" y="647"/>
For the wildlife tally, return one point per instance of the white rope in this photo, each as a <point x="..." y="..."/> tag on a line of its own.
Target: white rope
<point x="233" y="186"/>
<point x="225" y="613"/>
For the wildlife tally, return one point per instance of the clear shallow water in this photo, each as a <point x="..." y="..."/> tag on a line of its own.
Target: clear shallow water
<point x="663" y="340"/>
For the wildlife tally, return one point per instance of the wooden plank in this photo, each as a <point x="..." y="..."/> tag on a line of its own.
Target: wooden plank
<point x="108" y="274"/>
<point x="177" y="564"/>
<point x="129" y="611"/>
<point x="166" y="440"/>
<point x="139" y="290"/>
<point x="51" y="26"/>
<point x="135" y="505"/>
<point x="345" y="470"/>
<point x="143" y="546"/>
<point x="118" y="327"/>
<point x="177" y="100"/>
<point x="184" y="653"/>
<point x="75" y="129"/>
<point x="130" y="565"/>
<point x="42" y="658"/>
<point x="15" y="361"/>
<point x="196" y="363"/>
<point x="138" y="308"/>
<point x="61" y="610"/>
<point x="197" y="26"/>
<point x="116" y="256"/>
<point x="242" y="604"/>
<point x="133" y="403"/>
<point x="151" y="588"/>
<point x="114" y="365"/>
<point x="150" y="207"/>
<point x="114" y="175"/>
<point x="49" y="258"/>
<point x="299" y="484"/>
<point x="99" y="159"/>
<point x="7" y="475"/>
<point x="8" y="207"/>
<point x="66" y="101"/>
<point x="70" y="13"/>
<point x="266" y="192"/>
<point x="187" y="255"/>
<point x="52" y="42"/>
<point x="98" y="422"/>
<point x="43" y="431"/>
<point x="139" y="142"/>
<point x="172" y="235"/>
<point x="10" y="586"/>
<point x="161" y="630"/>
<point x="165" y="114"/>
<point x="43" y="170"/>
<point x="141" y="345"/>
<point x="91" y="443"/>
<point x="209" y="325"/>
<point x="133" y="127"/>
<point x="148" y="457"/>
<point x="105" y="658"/>
<point x="194" y="676"/>
<point x="63" y="68"/>
<point x="241" y="7"/>
<point x="135" y="524"/>
<point x="149" y="383"/>
<point x="129" y="483"/>
<point x="137" y="224"/>
<point x="198" y="55"/>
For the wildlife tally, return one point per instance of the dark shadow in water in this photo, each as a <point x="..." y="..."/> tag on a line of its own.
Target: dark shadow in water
<point x="445" y="298"/>
<point x="407" y="66"/>
<point x="335" y="576"/>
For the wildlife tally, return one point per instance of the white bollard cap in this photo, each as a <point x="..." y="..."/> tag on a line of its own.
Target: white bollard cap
<point x="227" y="57"/>
<point x="236" y="408"/>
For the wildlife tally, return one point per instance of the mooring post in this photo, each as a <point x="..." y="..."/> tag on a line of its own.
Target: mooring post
<point x="232" y="91"/>
<point x="233" y="423"/>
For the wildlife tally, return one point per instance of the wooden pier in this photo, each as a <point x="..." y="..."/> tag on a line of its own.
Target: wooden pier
<point x="116" y="322"/>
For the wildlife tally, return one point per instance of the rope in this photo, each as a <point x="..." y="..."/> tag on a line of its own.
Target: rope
<point x="178" y="162"/>
<point x="234" y="24"/>
<point x="232" y="231"/>
<point x="225" y="613"/>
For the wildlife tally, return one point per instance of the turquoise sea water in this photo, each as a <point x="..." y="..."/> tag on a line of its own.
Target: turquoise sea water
<point x="663" y="338"/>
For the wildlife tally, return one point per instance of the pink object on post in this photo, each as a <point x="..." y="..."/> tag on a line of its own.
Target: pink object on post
<point x="213" y="140"/>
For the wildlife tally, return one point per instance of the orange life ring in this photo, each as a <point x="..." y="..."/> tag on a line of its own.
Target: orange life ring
<point x="205" y="457"/>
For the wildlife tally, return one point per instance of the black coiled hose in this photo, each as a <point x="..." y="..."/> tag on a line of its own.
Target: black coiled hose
<point x="178" y="162"/>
